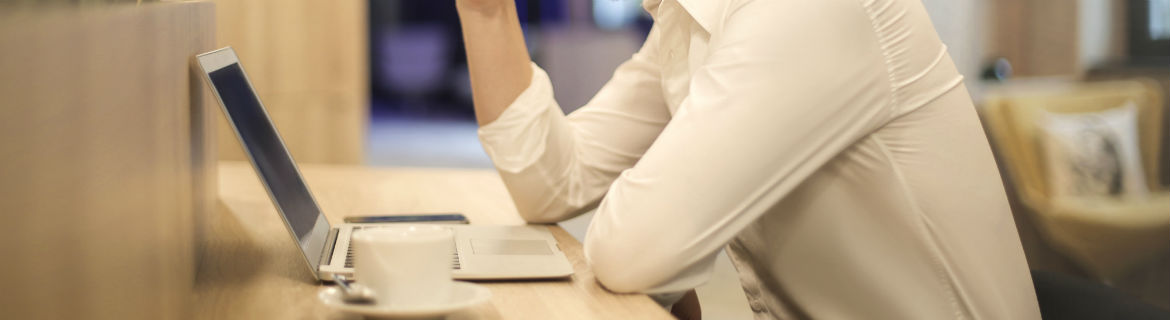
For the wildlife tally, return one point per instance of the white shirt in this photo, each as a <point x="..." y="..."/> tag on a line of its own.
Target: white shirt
<point x="829" y="145"/>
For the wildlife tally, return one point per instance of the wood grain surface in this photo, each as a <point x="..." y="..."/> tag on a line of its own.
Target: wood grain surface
<point x="106" y="159"/>
<point x="250" y="269"/>
<point x="307" y="61"/>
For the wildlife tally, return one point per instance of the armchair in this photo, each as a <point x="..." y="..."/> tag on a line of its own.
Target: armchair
<point x="1106" y="236"/>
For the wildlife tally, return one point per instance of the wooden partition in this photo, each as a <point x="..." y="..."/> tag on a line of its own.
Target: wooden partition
<point x="106" y="159"/>
<point x="307" y="60"/>
<point x="1047" y="38"/>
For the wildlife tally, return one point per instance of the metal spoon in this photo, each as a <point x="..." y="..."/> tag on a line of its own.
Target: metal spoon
<point x="353" y="293"/>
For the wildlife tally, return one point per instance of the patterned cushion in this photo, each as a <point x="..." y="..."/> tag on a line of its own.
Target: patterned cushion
<point x="1094" y="153"/>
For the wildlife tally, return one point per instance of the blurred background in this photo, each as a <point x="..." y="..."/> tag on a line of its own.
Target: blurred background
<point x="418" y="71"/>
<point x="384" y="83"/>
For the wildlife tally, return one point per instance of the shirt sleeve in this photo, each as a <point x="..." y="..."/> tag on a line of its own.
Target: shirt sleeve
<point x="556" y="166"/>
<point x="786" y="86"/>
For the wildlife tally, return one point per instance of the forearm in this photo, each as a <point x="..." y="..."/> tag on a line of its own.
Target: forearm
<point x="497" y="57"/>
<point x="556" y="165"/>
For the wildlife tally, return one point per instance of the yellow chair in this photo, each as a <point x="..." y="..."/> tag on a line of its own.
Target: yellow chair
<point x="1107" y="236"/>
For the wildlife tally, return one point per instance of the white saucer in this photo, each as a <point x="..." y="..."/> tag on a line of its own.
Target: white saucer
<point x="463" y="295"/>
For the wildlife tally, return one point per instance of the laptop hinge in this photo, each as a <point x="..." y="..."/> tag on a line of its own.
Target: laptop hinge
<point x="327" y="251"/>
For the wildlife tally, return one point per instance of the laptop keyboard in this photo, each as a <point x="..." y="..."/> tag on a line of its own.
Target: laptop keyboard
<point x="349" y="252"/>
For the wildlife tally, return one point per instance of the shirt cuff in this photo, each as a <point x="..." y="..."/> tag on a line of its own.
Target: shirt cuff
<point x="517" y="138"/>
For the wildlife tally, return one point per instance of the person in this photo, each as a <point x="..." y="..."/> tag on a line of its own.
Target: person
<point x="830" y="146"/>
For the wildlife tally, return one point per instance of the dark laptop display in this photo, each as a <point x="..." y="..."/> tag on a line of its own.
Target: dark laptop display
<point x="268" y="152"/>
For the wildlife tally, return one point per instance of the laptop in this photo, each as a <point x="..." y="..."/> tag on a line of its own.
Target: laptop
<point x="481" y="252"/>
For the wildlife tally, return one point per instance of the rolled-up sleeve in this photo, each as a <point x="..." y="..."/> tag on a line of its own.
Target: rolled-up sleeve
<point x="527" y="116"/>
<point x="557" y="166"/>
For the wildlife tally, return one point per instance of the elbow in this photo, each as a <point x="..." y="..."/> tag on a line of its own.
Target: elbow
<point x="541" y="198"/>
<point x="620" y="266"/>
<point x="540" y="217"/>
<point x="549" y="216"/>
<point x="547" y="210"/>
<point x="536" y="207"/>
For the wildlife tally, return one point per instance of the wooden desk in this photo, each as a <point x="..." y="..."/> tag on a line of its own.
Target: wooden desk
<point x="249" y="269"/>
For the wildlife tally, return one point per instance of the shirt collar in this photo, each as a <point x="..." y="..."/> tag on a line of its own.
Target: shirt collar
<point x="705" y="12"/>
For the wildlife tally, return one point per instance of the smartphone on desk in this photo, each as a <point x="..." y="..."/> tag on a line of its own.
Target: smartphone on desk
<point x="452" y="218"/>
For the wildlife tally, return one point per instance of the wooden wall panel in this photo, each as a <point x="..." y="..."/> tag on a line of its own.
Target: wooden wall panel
<point x="307" y="59"/>
<point x="1045" y="38"/>
<point x="1052" y="38"/>
<point x="106" y="160"/>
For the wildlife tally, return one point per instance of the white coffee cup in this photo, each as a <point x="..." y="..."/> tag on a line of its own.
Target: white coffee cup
<point x="405" y="265"/>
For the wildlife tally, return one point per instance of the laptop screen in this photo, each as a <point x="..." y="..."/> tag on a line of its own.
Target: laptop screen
<point x="273" y="162"/>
